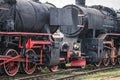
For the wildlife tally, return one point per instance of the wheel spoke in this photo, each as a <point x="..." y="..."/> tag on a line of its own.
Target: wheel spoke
<point x="7" y="65"/>
<point x="31" y="66"/>
<point x="113" y="61"/>
<point x="106" y="58"/>
<point x="113" y="56"/>
<point x="12" y="67"/>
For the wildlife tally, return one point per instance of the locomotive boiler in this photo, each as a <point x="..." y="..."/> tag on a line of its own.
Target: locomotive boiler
<point x="86" y="18"/>
<point x="25" y="16"/>
<point x="26" y="36"/>
<point x="92" y="33"/>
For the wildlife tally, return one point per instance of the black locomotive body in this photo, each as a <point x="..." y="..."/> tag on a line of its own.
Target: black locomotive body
<point x="25" y="16"/>
<point x="93" y="33"/>
<point x="26" y="37"/>
<point x="86" y="18"/>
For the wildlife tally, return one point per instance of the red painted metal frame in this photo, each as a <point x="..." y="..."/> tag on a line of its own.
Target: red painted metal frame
<point x="68" y="53"/>
<point x="11" y="59"/>
<point x="30" y="44"/>
<point x="20" y="44"/>
<point x="24" y="33"/>
<point x="26" y="62"/>
<point x="5" y="58"/>
<point x="5" y="9"/>
<point x="41" y="56"/>
<point x="80" y="62"/>
<point x="62" y="59"/>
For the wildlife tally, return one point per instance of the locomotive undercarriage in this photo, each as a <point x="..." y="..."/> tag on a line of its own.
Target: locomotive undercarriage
<point x="111" y="48"/>
<point x="102" y="50"/>
<point x="70" y="60"/>
<point x="71" y="53"/>
<point x="21" y="49"/>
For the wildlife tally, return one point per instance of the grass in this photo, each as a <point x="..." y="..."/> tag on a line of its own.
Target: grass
<point x="95" y="76"/>
<point x="101" y="74"/>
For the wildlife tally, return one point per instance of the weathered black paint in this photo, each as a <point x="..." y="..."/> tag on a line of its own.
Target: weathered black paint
<point x="27" y="16"/>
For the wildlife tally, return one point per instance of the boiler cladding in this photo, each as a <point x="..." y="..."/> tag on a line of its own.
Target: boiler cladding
<point x="25" y="16"/>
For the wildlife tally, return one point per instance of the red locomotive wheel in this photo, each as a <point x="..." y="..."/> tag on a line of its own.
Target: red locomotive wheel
<point x="11" y="68"/>
<point x="106" y="59"/>
<point x="54" y="68"/>
<point x="29" y="66"/>
<point x="83" y="67"/>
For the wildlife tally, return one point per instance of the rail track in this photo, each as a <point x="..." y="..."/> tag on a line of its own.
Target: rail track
<point x="67" y="74"/>
<point x="72" y="77"/>
<point x="42" y="76"/>
<point x="38" y="74"/>
<point x="110" y="77"/>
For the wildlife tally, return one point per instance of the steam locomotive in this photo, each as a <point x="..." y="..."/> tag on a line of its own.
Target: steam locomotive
<point x="91" y="35"/>
<point x="26" y="37"/>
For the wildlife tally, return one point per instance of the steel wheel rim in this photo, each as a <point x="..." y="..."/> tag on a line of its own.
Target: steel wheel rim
<point x="106" y="59"/>
<point x="83" y="66"/>
<point x="113" y="61"/>
<point x="54" y="68"/>
<point x="113" y="56"/>
<point x="97" y="64"/>
<point x="31" y="65"/>
<point x="12" y="67"/>
<point x="118" y="60"/>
